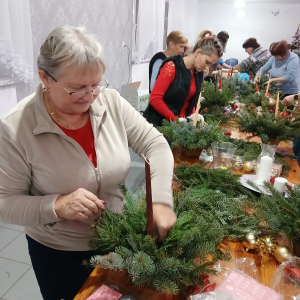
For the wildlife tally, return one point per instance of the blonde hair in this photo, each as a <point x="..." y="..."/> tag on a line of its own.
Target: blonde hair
<point x="67" y="45"/>
<point x="176" y="37"/>
<point x="208" y="43"/>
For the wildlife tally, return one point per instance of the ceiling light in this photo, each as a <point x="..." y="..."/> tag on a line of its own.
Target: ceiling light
<point x="241" y="13"/>
<point x="239" y="3"/>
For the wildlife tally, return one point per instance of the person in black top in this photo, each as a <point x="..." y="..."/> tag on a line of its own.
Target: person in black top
<point x="176" y="43"/>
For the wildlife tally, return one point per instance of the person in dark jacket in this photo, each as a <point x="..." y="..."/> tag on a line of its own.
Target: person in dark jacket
<point x="179" y="81"/>
<point x="176" y="45"/>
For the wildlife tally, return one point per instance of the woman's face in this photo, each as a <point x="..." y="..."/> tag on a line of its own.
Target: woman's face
<point x="75" y="80"/>
<point x="202" y="60"/>
<point x="177" y="49"/>
<point x="249" y="50"/>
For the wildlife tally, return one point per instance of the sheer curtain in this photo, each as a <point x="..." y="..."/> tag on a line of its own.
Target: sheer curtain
<point x="16" y="55"/>
<point x="16" y="40"/>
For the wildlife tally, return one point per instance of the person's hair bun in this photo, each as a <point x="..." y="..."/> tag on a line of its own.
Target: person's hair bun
<point x="205" y="34"/>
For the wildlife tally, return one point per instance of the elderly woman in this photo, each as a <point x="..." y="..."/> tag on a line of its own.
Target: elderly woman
<point x="258" y="56"/>
<point x="64" y="153"/>
<point x="283" y="67"/>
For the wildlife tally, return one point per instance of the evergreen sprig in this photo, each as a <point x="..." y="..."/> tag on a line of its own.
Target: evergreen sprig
<point x="184" y="134"/>
<point x="215" y="97"/>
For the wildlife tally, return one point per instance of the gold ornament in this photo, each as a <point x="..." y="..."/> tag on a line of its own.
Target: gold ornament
<point x="259" y="109"/>
<point x="267" y="245"/>
<point x="271" y="102"/>
<point x="259" y="113"/>
<point x="282" y="254"/>
<point x="248" y="166"/>
<point x="250" y="241"/>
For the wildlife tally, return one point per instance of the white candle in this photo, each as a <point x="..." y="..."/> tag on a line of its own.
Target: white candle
<point x="279" y="184"/>
<point x="264" y="171"/>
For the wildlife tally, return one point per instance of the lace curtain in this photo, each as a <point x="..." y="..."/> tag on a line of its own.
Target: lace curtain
<point x="16" y="40"/>
<point x="110" y="20"/>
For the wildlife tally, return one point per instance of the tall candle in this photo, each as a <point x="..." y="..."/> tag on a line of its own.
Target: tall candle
<point x="279" y="184"/>
<point x="277" y="106"/>
<point x="150" y="220"/>
<point x="264" y="171"/>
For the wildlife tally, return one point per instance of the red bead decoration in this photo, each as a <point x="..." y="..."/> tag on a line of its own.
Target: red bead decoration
<point x="252" y="107"/>
<point x="271" y="111"/>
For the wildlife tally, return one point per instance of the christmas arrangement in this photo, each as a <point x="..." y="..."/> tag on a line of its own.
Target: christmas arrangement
<point x="268" y="122"/>
<point x="205" y="218"/>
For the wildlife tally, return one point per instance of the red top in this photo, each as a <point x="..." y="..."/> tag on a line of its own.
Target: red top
<point x="85" y="138"/>
<point x="165" y="78"/>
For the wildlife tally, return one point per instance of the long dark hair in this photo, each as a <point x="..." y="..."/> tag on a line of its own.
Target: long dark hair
<point x="223" y="36"/>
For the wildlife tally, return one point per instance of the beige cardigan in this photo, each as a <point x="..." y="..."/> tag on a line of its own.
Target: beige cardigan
<point x="39" y="162"/>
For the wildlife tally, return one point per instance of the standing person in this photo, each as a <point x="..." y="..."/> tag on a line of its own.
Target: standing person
<point x="283" y="68"/>
<point x="258" y="56"/>
<point x="176" y="45"/>
<point x="178" y="84"/>
<point x="64" y="154"/>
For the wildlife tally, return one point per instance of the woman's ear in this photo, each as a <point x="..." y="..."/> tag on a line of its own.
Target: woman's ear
<point x="45" y="79"/>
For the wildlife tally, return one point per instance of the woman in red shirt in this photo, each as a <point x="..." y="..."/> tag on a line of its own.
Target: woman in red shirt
<point x="179" y="81"/>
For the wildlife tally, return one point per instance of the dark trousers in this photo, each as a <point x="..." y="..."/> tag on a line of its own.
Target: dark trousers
<point x="60" y="274"/>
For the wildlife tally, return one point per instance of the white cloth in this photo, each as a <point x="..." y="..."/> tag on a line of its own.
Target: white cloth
<point x="16" y="39"/>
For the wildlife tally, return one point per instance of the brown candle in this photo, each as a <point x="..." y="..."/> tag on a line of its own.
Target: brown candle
<point x="150" y="221"/>
<point x="277" y="106"/>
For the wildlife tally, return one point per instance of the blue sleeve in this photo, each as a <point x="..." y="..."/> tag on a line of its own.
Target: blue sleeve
<point x="266" y="67"/>
<point x="291" y="70"/>
<point x="219" y="62"/>
<point x="155" y="70"/>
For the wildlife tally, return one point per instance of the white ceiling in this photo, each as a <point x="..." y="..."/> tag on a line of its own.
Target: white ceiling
<point x="255" y="1"/>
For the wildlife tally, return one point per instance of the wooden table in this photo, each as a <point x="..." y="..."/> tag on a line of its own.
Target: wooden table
<point x="266" y="266"/>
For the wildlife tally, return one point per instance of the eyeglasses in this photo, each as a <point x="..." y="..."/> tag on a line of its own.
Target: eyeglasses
<point x="96" y="91"/>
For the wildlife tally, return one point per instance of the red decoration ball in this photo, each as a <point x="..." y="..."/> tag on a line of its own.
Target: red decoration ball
<point x="286" y="114"/>
<point x="227" y="133"/>
<point x="290" y="187"/>
<point x="272" y="180"/>
<point x="252" y="107"/>
<point x="234" y="106"/>
<point x="271" y="111"/>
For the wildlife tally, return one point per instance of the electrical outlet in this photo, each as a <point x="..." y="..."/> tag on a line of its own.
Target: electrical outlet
<point x="123" y="44"/>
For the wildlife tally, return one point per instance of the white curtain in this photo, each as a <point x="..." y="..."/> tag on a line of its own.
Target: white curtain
<point x="176" y="15"/>
<point x="16" y="40"/>
<point x="150" y="28"/>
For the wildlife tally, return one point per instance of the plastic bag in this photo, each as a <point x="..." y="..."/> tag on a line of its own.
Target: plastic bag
<point x="237" y="279"/>
<point x="286" y="279"/>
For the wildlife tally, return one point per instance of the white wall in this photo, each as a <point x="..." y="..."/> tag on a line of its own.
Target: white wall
<point x="258" y="22"/>
<point x="217" y="16"/>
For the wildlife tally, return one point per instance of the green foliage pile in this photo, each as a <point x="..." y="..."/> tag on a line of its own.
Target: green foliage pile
<point x="213" y="179"/>
<point x="184" y="134"/>
<point x="204" y="218"/>
<point x="280" y="214"/>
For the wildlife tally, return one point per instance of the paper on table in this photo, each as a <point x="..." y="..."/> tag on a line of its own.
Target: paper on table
<point x="105" y="293"/>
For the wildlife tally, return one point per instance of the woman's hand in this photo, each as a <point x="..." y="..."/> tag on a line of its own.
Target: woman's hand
<point x="256" y="79"/>
<point x="79" y="205"/>
<point x="288" y="100"/>
<point x="164" y="219"/>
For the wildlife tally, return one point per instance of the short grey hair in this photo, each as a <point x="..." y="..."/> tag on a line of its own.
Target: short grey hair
<point x="67" y="45"/>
